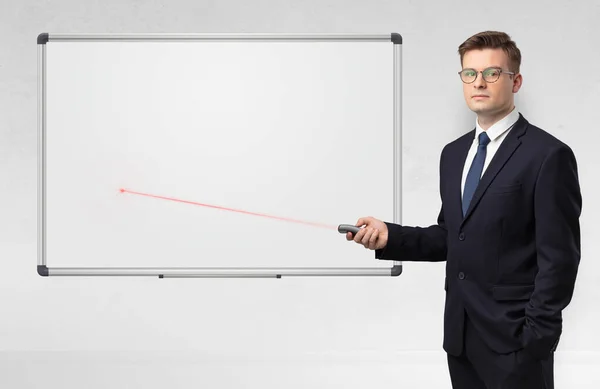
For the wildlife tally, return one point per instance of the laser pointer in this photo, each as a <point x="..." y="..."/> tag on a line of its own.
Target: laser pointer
<point x="344" y="228"/>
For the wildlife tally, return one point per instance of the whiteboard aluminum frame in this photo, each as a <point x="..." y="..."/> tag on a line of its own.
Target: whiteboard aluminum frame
<point x="214" y="272"/>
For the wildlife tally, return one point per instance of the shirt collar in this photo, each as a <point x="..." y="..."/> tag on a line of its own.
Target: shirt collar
<point x="500" y="127"/>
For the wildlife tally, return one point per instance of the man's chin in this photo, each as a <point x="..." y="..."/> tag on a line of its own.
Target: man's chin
<point x="481" y="108"/>
<point x="478" y="110"/>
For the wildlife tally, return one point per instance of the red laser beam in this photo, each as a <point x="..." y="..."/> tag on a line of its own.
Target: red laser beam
<point x="230" y="209"/>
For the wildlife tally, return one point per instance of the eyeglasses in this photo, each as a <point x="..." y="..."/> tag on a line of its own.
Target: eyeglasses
<point x="468" y="76"/>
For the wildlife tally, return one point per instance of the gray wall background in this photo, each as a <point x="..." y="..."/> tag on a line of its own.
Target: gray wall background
<point x="122" y="333"/>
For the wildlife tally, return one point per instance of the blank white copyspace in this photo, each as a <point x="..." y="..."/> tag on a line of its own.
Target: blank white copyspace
<point x="300" y="130"/>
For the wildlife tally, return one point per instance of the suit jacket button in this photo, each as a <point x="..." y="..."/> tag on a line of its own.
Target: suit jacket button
<point x="461" y="275"/>
<point x="461" y="236"/>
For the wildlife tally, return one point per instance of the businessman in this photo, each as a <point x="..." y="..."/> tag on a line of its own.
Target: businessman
<point x="508" y="230"/>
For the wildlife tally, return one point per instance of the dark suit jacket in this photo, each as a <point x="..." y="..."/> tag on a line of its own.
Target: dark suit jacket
<point x="511" y="262"/>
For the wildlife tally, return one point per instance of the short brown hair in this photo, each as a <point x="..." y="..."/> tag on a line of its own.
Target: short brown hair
<point x="493" y="40"/>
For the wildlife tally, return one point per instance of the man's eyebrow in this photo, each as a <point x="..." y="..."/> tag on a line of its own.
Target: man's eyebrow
<point x="490" y="66"/>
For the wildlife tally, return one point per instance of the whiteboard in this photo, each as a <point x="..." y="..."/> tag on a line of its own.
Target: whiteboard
<point x="206" y="155"/>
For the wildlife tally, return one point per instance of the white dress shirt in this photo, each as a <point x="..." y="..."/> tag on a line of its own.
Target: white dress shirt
<point x="497" y="132"/>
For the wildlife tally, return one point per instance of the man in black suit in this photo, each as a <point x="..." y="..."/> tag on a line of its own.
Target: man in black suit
<point x="508" y="230"/>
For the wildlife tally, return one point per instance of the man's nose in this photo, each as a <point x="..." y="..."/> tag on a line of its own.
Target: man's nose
<point x="479" y="81"/>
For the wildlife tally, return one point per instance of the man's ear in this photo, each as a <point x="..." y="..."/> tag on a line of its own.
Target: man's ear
<point x="517" y="82"/>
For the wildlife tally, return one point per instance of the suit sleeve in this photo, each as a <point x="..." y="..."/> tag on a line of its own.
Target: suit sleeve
<point x="417" y="243"/>
<point x="557" y="207"/>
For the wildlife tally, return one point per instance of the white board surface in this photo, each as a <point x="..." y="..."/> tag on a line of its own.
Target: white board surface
<point x="292" y="130"/>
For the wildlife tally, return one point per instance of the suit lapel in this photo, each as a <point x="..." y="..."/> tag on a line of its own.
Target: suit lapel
<point x="504" y="152"/>
<point x="457" y="172"/>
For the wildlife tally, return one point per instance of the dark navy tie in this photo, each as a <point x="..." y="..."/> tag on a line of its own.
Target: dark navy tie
<point x="475" y="172"/>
